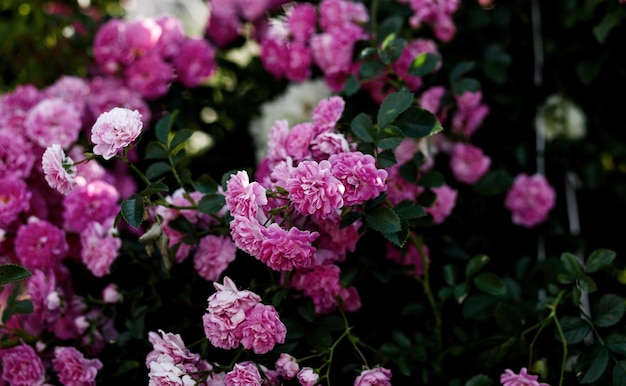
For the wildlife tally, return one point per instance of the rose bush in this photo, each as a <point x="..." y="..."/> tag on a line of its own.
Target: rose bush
<point x="330" y="192"/>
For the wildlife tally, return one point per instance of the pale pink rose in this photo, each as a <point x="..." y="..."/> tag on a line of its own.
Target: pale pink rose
<point x="53" y="121"/>
<point x="468" y="163"/>
<point x="244" y="197"/>
<point x="114" y="130"/>
<point x="339" y="13"/>
<point x="314" y="190"/>
<point x="141" y="36"/>
<point x="299" y="139"/>
<point x="327" y="113"/>
<point x="287" y="250"/>
<point x="40" y="245"/>
<point x="163" y="371"/>
<point x="58" y="169"/>
<point x="73" y="369"/>
<point x="287" y="366"/>
<point x="247" y="234"/>
<point x="444" y="203"/>
<point x="509" y="378"/>
<point x="111" y="294"/>
<point x="530" y="199"/>
<point x="359" y="175"/>
<point x="230" y="302"/>
<point x="261" y="330"/>
<point x="171" y="345"/>
<point x="16" y="155"/>
<point x="220" y="331"/>
<point x="277" y="140"/>
<point x="21" y="366"/>
<point x="100" y="248"/>
<point x="307" y="377"/>
<point x="94" y="201"/>
<point x="72" y="89"/>
<point x="430" y="100"/>
<point x="243" y="374"/>
<point x="14" y="199"/>
<point x="378" y="376"/>
<point x="327" y="144"/>
<point x="213" y="256"/>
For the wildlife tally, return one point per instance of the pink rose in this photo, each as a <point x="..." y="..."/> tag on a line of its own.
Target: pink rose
<point x="307" y="377"/>
<point x="378" y="376"/>
<point x="21" y="366"/>
<point x="114" y="130"/>
<point x="73" y="368"/>
<point x="58" y="169"/>
<point x="261" y="329"/>
<point x="530" y="199"/>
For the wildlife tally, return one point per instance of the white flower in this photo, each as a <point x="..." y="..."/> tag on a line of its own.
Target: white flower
<point x="295" y="105"/>
<point x="560" y="117"/>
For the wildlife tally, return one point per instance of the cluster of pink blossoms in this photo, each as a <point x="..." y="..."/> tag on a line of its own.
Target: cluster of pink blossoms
<point x="288" y="50"/>
<point x="530" y="200"/>
<point x="509" y="378"/>
<point x="149" y="54"/>
<point x="238" y="317"/>
<point x="438" y="14"/>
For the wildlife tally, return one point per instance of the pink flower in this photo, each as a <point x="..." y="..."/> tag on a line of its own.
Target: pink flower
<point x="298" y="67"/>
<point x="171" y="345"/>
<point x="322" y="284"/>
<point x="410" y="256"/>
<point x="327" y="144"/>
<point x="223" y="25"/>
<point x="243" y="374"/>
<point x="109" y="46"/>
<point x="314" y="190"/>
<point x="73" y="368"/>
<point x="100" y="248"/>
<point x="307" y="377"/>
<point x="16" y="155"/>
<point x="509" y="378"/>
<point x="409" y="53"/>
<point x="299" y="139"/>
<point x="301" y="20"/>
<point x="220" y="331"/>
<point x="261" y="329"/>
<point x="111" y="294"/>
<point x="163" y="371"/>
<point x="108" y="93"/>
<point x="468" y="163"/>
<point x="274" y="56"/>
<point x="21" y="366"/>
<point x="172" y="36"/>
<point x="431" y="99"/>
<point x="114" y="130"/>
<point x="287" y="250"/>
<point x="141" y="36"/>
<point x="327" y="113"/>
<point x="230" y="302"/>
<point x="378" y="376"/>
<point x="59" y="170"/>
<point x="213" y="255"/>
<point x="14" y="199"/>
<point x="195" y="62"/>
<point x="339" y="13"/>
<point x="53" y="121"/>
<point x="530" y="199"/>
<point x="443" y="205"/>
<point x="287" y="366"/>
<point x="95" y="201"/>
<point x="244" y="197"/>
<point x="40" y="245"/>
<point x="150" y="76"/>
<point x="359" y="175"/>
<point x="247" y="234"/>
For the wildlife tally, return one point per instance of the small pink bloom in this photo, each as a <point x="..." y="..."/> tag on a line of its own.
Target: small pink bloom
<point x="339" y="13"/>
<point x="321" y="284"/>
<point x="287" y="366"/>
<point x="223" y="24"/>
<point x="530" y="199"/>
<point x="100" y="248"/>
<point x="230" y="302"/>
<point x="301" y="20"/>
<point x="314" y="190"/>
<point x="287" y="250"/>
<point x="243" y="374"/>
<point x="163" y="371"/>
<point x="298" y="67"/>
<point x="378" y="376"/>
<point x="299" y="140"/>
<point x="53" y="121"/>
<point x="111" y="294"/>
<point x="73" y="369"/>
<point x="244" y="198"/>
<point x="114" y="130"/>
<point x="431" y="99"/>
<point x="59" y="169"/>
<point x="141" y="37"/>
<point x="172" y="36"/>
<point x="220" y="331"/>
<point x="443" y="205"/>
<point x="16" y="155"/>
<point x="327" y="113"/>
<point x="14" y="199"/>
<point x="40" y="245"/>
<point x="21" y="366"/>
<point x="247" y="234"/>
<point x="109" y="45"/>
<point x="213" y="256"/>
<point x="150" y="76"/>
<point x="274" y="56"/>
<point x="327" y="144"/>
<point x="195" y="62"/>
<point x="468" y="163"/>
<point x="95" y="201"/>
<point x="509" y="378"/>
<point x="307" y="377"/>
<point x="359" y="175"/>
<point x="171" y="345"/>
<point x="261" y="329"/>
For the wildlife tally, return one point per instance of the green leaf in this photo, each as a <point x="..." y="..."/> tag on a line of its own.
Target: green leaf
<point x="383" y="220"/>
<point x="407" y="209"/>
<point x="571" y="264"/>
<point x="386" y="159"/>
<point x="153" y="188"/>
<point x="616" y="343"/>
<point x="479" y="307"/>
<point x="156" y="150"/>
<point x="332" y="323"/>
<point x="574" y="329"/>
<point x="401" y="339"/>
<point x="479" y="380"/>
<point x="418" y="123"/>
<point x="404" y="366"/>
<point x="493" y="183"/>
<point x="450" y="274"/>
<point x="601" y="31"/>
<point x="10" y="273"/>
<point x="164" y="126"/>
<point x="465" y="84"/>
<point x="461" y="68"/>
<point x="352" y="86"/>
<point x="205" y="184"/>
<point x="507" y="318"/>
<point x="619" y="373"/>
<point x="211" y="203"/>
<point x="393" y="105"/>
<point x="179" y="138"/>
<point x="362" y="127"/>
<point x="496" y="63"/>
<point x="475" y="264"/>
<point x="432" y="179"/>
<point x="424" y="64"/>
<point x="306" y="310"/>
<point x="24" y="307"/>
<point x="490" y="283"/>
<point x="608" y="310"/>
<point x="319" y="338"/>
<point x="389" y="138"/>
<point x="591" y="363"/>
<point x="599" y="259"/>
<point x="389" y="26"/>
<point x="399" y="238"/>
<point x="371" y="69"/>
<point x="587" y="284"/>
<point x="132" y="211"/>
<point x="349" y="218"/>
<point x="157" y="169"/>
